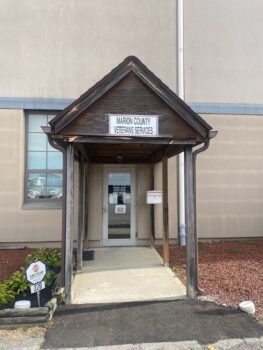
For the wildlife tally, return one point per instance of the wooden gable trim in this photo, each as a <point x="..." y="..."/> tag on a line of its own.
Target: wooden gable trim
<point x="92" y="95"/>
<point x="130" y="64"/>
<point x="174" y="101"/>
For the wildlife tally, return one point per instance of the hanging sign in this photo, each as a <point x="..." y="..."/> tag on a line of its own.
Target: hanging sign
<point x="133" y="125"/>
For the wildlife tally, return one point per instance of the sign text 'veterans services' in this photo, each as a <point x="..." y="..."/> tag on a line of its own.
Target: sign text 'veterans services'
<point x="133" y="125"/>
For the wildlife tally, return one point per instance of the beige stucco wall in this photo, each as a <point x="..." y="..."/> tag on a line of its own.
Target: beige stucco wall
<point x="43" y="57"/>
<point x="57" y="48"/>
<point x="229" y="179"/>
<point x="223" y="51"/>
<point x="16" y="224"/>
<point x="229" y="186"/>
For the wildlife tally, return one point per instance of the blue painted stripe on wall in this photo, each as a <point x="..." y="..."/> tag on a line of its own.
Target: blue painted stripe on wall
<point x="61" y="103"/>
<point x="34" y="103"/>
<point x="227" y="108"/>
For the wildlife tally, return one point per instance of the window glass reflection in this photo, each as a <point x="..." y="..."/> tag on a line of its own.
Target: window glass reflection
<point x="54" y="185"/>
<point x="36" y="185"/>
<point x="44" y="163"/>
<point x="37" y="160"/>
<point x="37" y="142"/>
<point x="54" y="160"/>
<point x="35" y="122"/>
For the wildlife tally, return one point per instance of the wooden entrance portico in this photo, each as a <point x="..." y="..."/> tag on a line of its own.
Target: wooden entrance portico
<point x="158" y="125"/>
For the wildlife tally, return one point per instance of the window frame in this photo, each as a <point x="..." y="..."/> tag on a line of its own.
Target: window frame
<point x="37" y="203"/>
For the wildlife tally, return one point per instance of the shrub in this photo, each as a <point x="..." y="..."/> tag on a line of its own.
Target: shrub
<point x="17" y="283"/>
<point x="6" y="295"/>
<point x="49" y="277"/>
<point x="50" y="257"/>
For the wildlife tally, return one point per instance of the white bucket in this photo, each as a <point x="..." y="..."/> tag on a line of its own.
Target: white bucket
<point x="248" y="307"/>
<point x="22" y="304"/>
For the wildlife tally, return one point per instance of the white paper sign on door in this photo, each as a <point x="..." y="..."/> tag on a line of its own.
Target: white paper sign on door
<point x="120" y="209"/>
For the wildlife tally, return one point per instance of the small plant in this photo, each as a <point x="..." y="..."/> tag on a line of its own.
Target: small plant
<point x="232" y="251"/>
<point x="14" y="285"/>
<point x="6" y="295"/>
<point x="60" y="295"/>
<point x="176" y="269"/>
<point x="49" y="278"/>
<point x="50" y="257"/>
<point x="17" y="282"/>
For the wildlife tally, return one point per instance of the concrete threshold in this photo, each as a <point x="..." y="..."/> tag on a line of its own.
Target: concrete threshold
<point x="126" y="274"/>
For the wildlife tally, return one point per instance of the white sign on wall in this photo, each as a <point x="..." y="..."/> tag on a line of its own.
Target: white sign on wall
<point x="133" y="125"/>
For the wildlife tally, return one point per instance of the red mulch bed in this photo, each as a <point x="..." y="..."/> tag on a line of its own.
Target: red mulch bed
<point x="11" y="260"/>
<point x="229" y="271"/>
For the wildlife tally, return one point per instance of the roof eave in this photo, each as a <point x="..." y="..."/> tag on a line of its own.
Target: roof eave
<point x="130" y="64"/>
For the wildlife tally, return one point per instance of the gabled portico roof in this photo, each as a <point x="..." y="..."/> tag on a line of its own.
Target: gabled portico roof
<point x="131" y="64"/>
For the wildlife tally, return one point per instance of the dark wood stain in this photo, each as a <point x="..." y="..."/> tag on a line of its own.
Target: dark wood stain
<point x="165" y="211"/>
<point x="130" y="96"/>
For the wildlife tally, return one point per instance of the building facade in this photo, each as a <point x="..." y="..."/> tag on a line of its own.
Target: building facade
<point x="53" y="51"/>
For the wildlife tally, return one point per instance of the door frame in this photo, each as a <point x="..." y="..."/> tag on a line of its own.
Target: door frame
<point x="106" y="242"/>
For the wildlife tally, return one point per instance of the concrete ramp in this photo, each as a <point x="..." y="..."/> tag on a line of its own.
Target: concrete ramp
<point x="125" y="274"/>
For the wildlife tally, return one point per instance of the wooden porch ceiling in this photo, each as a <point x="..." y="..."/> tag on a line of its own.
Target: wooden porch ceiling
<point x="127" y="153"/>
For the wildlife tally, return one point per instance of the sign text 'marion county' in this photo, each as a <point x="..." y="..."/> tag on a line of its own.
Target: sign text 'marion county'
<point x="133" y="125"/>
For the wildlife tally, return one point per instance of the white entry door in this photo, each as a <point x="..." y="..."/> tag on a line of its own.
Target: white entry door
<point x="119" y="217"/>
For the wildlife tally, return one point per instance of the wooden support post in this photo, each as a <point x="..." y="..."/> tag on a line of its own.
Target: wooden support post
<point x="86" y="176"/>
<point x="63" y="237"/>
<point x="165" y="212"/>
<point x="152" y="206"/>
<point x="191" y="263"/>
<point x="69" y="224"/>
<point x="81" y="195"/>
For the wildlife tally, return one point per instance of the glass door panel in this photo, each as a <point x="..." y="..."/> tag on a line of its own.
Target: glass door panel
<point x="119" y="205"/>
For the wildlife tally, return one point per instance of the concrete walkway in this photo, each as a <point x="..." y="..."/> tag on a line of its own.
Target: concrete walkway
<point x="123" y="275"/>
